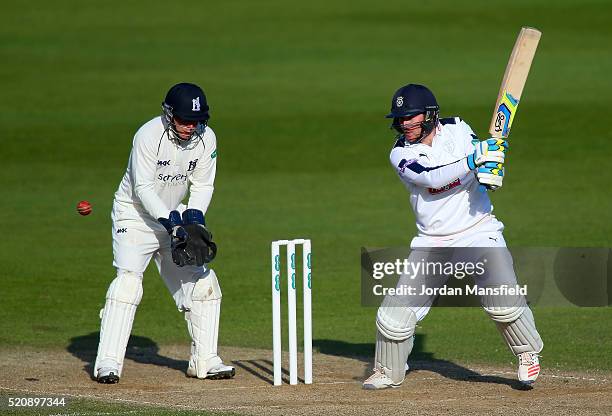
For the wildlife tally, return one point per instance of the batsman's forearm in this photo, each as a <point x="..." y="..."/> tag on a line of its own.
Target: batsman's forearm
<point x="432" y="177"/>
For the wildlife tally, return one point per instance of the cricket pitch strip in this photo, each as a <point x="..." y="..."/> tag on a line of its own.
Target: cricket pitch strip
<point x="157" y="378"/>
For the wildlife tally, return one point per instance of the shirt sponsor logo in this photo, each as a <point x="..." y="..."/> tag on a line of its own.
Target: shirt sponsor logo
<point x="163" y="163"/>
<point x="445" y="188"/>
<point x="121" y="230"/>
<point x="171" y="179"/>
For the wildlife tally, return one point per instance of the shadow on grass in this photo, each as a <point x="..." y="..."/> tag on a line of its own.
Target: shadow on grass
<point x="140" y="349"/>
<point x="419" y="360"/>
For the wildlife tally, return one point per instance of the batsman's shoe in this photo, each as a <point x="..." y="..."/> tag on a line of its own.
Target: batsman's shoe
<point x="379" y="380"/>
<point x="217" y="372"/>
<point x="529" y="368"/>
<point x="108" y="376"/>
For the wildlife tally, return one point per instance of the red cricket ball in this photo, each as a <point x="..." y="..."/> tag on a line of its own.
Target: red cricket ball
<point x="84" y="208"/>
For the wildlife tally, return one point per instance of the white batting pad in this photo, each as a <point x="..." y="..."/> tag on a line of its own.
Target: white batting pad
<point x="203" y="324"/>
<point x="514" y="321"/>
<point x="521" y="335"/>
<point x="395" y="338"/>
<point x="503" y="308"/>
<point x="122" y="299"/>
<point x="395" y="321"/>
<point x="391" y="356"/>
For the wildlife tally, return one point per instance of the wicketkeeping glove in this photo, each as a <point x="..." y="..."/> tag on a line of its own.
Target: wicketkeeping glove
<point x="491" y="175"/>
<point x="490" y="150"/>
<point x="199" y="242"/>
<point x="178" y="238"/>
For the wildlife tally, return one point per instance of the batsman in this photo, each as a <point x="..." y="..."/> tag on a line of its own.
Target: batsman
<point x="447" y="170"/>
<point x="172" y="155"/>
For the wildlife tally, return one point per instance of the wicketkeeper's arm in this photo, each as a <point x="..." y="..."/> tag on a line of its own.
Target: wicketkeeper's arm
<point x="143" y="164"/>
<point x="203" y="178"/>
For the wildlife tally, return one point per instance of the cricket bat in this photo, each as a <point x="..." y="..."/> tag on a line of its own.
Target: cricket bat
<point x="514" y="80"/>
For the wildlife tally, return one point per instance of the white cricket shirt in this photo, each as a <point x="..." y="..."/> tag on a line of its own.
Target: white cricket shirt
<point x="161" y="171"/>
<point x="445" y="195"/>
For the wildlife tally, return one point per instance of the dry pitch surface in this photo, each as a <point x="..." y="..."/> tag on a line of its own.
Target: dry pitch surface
<point x="157" y="378"/>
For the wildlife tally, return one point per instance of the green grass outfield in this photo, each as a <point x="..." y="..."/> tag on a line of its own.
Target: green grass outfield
<point x="298" y="93"/>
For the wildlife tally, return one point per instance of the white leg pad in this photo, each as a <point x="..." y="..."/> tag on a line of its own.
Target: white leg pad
<point x="395" y="339"/>
<point x="503" y="308"/>
<point x="395" y="321"/>
<point x="391" y="357"/>
<point x="521" y="335"/>
<point x="122" y="299"/>
<point x="203" y="324"/>
<point x="515" y="322"/>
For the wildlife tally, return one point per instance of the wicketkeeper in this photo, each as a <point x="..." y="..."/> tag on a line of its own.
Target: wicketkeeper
<point x="171" y="155"/>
